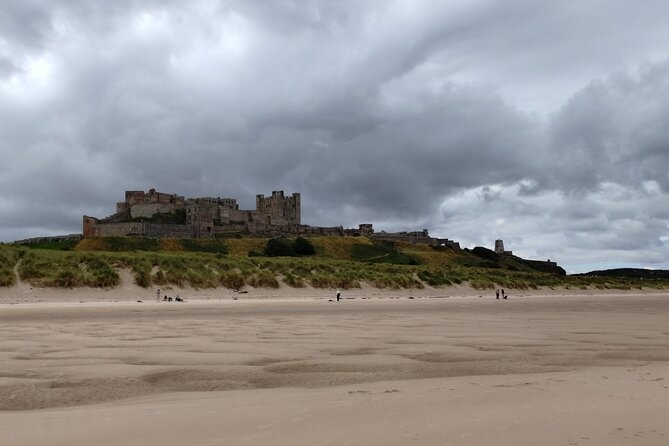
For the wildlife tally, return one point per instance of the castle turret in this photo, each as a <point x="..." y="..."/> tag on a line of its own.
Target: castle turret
<point x="499" y="248"/>
<point x="89" y="224"/>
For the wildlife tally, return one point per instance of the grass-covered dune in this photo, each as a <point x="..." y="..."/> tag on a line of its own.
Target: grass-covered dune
<point x="334" y="262"/>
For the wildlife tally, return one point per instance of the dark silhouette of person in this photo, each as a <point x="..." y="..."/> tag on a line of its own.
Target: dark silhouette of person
<point x="338" y="295"/>
<point x="497" y="294"/>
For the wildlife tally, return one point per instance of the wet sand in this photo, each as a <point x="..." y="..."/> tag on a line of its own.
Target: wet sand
<point x="465" y="370"/>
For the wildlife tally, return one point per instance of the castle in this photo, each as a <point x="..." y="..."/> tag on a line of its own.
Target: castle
<point x="159" y="215"/>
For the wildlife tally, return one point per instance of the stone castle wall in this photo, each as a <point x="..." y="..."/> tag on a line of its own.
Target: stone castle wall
<point x="153" y="230"/>
<point x="147" y="210"/>
<point x="141" y="200"/>
<point x="420" y="240"/>
<point x="117" y="230"/>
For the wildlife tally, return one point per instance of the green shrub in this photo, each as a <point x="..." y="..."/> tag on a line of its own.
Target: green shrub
<point x="303" y="247"/>
<point x="485" y="253"/>
<point x="279" y="247"/>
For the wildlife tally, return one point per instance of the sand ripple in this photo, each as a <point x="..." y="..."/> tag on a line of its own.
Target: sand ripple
<point x="68" y="356"/>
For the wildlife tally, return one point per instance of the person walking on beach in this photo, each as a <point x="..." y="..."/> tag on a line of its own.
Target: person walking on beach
<point x="158" y="295"/>
<point x="503" y="295"/>
<point x="338" y="295"/>
<point x="497" y="294"/>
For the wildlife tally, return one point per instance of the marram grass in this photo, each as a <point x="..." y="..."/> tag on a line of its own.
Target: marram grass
<point x="201" y="265"/>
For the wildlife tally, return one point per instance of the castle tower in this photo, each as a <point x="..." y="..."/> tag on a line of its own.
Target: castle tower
<point x="499" y="246"/>
<point x="297" y="208"/>
<point x="279" y="208"/>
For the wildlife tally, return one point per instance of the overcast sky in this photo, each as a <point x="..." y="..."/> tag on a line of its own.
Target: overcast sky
<point x="545" y="124"/>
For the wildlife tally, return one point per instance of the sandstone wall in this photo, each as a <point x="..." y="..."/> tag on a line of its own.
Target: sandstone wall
<point x="231" y="228"/>
<point x="117" y="229"/>
<point x="168" y="231"/>
<point x="416" y="240"/>
<point x="133" y="198"/>
<point x="148" y="210"/>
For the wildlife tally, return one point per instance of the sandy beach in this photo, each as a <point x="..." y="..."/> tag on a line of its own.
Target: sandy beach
<point x="383" y="368"/>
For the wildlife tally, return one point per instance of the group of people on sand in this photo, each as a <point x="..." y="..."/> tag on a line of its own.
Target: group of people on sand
<point x="167" y="298"/>
<point x="500" y="292"/>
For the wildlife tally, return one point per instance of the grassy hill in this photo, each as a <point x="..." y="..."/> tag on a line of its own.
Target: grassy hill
<point x="636" y="273"/>
<point x="338" y="262"/>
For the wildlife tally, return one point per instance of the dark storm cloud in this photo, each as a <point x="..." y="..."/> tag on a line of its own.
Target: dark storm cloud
<point x="415" y="157"/>
<point x="25" y="24"/>
<point x="505" y="118"/>
<point x="615" y="130"/>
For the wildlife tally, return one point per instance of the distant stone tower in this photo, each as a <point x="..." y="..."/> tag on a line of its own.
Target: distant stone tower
<point x="279" y="208"/>
<point x="499" y="246"/>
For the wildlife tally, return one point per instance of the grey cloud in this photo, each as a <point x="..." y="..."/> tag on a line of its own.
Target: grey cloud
<point x="405" y="165"/>
<point x="7" y="68"/>
<point x="25" y="23"/>
<point x="615" y="130"/>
